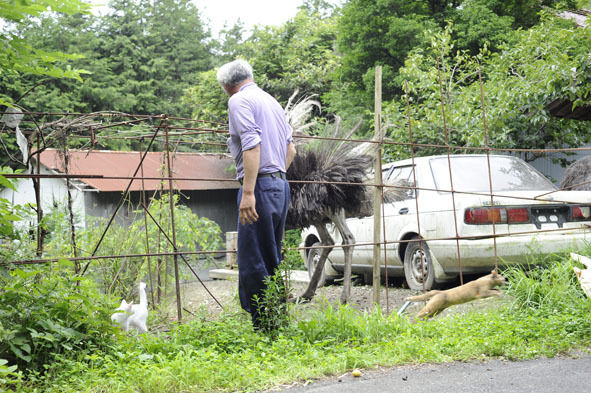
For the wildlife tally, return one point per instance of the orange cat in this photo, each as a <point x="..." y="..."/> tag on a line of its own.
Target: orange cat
<point x="478" y="289"/>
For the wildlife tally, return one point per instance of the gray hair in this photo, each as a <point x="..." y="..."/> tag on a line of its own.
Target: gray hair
<point x="234" y="72"/>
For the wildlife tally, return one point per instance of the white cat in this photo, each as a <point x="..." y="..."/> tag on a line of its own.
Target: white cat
<point x="133" y="315"/>
<point x="583" y="275"/>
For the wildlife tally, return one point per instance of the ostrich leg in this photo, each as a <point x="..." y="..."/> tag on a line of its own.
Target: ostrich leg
<point x="348" y="243"/>
<point x="325" y="240"/>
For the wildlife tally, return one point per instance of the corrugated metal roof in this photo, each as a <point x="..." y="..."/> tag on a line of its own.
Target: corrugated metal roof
<point x="217" y="167"/>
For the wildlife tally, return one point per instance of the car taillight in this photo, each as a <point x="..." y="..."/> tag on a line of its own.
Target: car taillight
<point x="497" y="215"/>
<point x="518" y="215"/>
<point x="581" y="213"/>
<point x="484" y="215"/>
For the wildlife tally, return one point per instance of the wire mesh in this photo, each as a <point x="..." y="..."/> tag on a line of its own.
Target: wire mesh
<point x="171" y="135"/>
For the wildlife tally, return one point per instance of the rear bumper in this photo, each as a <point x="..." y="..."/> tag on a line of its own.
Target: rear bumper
<point x="479" y="255"/>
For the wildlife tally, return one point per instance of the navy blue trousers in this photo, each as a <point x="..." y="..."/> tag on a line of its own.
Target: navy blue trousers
<point x="259" y="243"/>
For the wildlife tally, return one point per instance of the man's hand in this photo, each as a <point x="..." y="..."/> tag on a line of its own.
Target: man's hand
<point x="248" y="213"/>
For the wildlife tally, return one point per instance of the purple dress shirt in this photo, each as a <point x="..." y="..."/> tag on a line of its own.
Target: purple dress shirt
<point x="257" y="118"/>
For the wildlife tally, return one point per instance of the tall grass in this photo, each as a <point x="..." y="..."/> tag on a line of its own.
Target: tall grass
<point x="545" y="287"/>
<point x="548" y="314"/>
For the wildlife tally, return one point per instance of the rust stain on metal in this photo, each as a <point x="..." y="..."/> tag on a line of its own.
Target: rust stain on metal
<point x="117" y="163"/>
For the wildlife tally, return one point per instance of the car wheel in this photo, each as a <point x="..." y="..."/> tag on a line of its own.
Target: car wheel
<point x="418" y="267"/>
<point x="312" y="262"/>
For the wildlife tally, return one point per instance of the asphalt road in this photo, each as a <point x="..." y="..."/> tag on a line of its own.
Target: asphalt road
<point x="561" y="374"/>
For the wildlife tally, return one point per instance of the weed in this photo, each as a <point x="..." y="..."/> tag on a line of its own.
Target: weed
<point x="545" y="287"/>
<point x="273" y="308"/>
<point x="47" y="315"/>
<point x="119" y="275"/>
<point x="548" y="315"/>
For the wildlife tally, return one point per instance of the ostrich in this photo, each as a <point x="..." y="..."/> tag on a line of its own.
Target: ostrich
<point x="323" y="165"/>
<point x="578" y="175"/>
<point x="322" y="168"/>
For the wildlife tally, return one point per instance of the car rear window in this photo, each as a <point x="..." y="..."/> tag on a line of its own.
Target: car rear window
<point x="470" y="173"/>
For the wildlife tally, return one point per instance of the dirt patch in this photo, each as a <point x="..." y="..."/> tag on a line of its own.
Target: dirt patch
<point x="195" y="297"/>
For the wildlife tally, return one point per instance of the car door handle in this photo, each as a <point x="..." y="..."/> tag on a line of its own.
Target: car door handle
<point x="404" y="210"/>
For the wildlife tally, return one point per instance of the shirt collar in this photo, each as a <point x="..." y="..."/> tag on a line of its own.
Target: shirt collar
<point x="246" y="85"/>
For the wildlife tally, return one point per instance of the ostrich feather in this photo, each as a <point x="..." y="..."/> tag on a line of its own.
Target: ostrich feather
<point x="320" y="169"/>
<point x="298" y="113"/>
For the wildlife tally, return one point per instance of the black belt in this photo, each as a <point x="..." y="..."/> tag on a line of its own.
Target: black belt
<point x="272" y="174"/>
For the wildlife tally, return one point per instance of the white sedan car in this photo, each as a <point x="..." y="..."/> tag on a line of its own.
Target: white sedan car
<point x="460" y="230"/>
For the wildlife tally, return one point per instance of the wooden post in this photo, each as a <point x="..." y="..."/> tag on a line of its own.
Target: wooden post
<point x="377" y="198"/>
<point x="231" y="247"/>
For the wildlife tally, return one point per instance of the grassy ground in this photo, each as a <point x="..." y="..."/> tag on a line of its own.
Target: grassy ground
<point x="547" y="315"/>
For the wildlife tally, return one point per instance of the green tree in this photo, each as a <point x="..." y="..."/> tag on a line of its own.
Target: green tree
<point x="67" y="34"/>
<point x="526" y="13"/>
<point x="547" y="62"/>
<point x="18" y="57"/>
<point x="230" y="43"/>
<point x="476" y="25"/>
<point x="206" y="98"/>
<point x="26" y="63"/>
<point x="141" y="56"/>
<point x="299" y="55"/>
<point x="384" y="32"/>
<point x="154" y="50"/>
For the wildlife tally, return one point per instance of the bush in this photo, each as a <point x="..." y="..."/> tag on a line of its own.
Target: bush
<point x="10" y="234"/>
<point x="47" y="313"/>
<point x="119" y="275"/>
<point x="274" y="309"/>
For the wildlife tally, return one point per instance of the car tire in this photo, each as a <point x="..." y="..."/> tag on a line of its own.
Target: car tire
<point x="418" y="267"/>
<point x="312" y="262"/>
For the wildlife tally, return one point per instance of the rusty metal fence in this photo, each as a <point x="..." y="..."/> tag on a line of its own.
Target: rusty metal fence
<point x="167" y="135"/>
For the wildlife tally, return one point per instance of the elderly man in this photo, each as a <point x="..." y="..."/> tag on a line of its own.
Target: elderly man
<point x="262" y="147"/>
